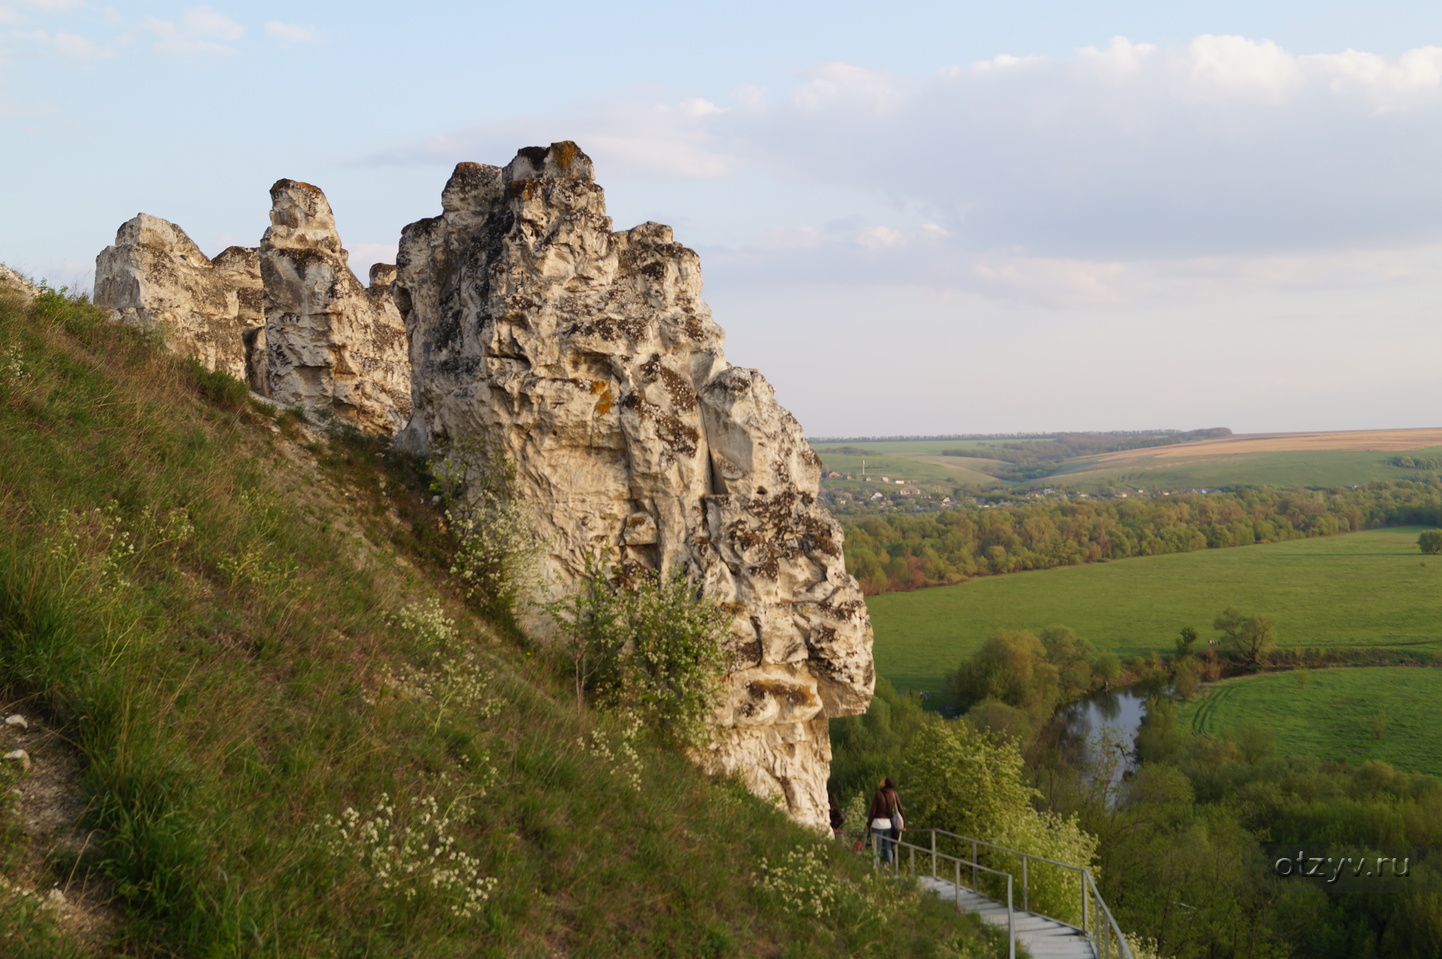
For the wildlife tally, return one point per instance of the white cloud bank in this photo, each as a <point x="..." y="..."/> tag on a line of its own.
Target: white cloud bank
<point x="200" y="32"/>
<point x="291" y="32"/>
<point x="1133" y="150"/>
<point x="1081" y="181"/>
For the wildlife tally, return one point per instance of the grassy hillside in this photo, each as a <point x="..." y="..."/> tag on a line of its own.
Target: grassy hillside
<point x="268" y="726"/>
<point x="1371" y="588"/>
<point x="1356" y="715"/>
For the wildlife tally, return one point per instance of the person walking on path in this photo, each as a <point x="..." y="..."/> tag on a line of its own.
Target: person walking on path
<point x="886" y="817"/>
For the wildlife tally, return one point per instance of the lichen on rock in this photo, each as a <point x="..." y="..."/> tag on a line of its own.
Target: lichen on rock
<point x="588" y="358"/>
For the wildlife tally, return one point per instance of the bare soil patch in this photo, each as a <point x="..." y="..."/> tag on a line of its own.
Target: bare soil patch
<point x="46" y="808"/>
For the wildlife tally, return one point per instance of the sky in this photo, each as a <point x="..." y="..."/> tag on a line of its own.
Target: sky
<point x="915" y="219"/>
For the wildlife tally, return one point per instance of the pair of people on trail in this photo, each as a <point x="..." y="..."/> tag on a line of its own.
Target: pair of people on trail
<point x="887" y="821"/>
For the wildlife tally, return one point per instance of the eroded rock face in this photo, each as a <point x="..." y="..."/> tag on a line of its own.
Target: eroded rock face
<point x="329" y="342"/>
<point x="590" y="360"/>
<point x="154" y="277"/>
<point x="9" y="279"/>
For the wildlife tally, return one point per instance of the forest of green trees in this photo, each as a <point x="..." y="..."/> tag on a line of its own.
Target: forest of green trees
<point x="902" y="552"/>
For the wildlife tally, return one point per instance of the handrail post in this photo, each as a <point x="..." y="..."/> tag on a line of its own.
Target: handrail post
<point x="1010" y="922"/>
<point x="1084" y="877"/>
<point x="973" y="866"/>
<point x="957" y="885"/>
<point x="933" y="854"/>
<point x="1025" y="899"/>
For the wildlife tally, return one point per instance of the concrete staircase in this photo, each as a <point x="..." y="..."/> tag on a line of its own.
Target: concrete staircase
<point x="1044" y="938"/>
<point x="956" y="878"/>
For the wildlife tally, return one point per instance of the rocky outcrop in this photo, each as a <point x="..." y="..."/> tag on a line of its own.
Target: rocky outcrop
<point x="330" y="344"/>
<point x="589" y="359"/>
<point x="154" y="277"/>
<point x="10" y="280"/>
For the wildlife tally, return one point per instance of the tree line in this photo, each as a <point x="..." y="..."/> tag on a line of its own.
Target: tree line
<point x="1037" y="458"/>
<point x="903" y="552"/>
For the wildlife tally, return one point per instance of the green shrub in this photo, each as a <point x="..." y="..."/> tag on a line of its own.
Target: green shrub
<point x="646" y="643"/>
<point x="495" y="546"/>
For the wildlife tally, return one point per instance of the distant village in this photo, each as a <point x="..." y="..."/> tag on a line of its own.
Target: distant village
<point x="850" y="493"/>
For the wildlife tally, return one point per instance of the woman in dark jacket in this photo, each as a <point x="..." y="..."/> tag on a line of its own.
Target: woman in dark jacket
<point x="885" y="817"/>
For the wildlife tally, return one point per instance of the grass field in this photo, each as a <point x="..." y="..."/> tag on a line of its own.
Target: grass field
<point x="1332" y="717"/>
<point x="1282" y="459"/>
<point x="1363" y="589"/>
<point x="1231" y="467"/>
<point x="918" y="462"/>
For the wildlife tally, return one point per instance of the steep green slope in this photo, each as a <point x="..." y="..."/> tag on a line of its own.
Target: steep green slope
<point x="294" y="739"/>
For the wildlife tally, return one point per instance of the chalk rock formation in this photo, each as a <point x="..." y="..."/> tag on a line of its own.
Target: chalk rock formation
<point x="330" y="343"/>
<point x="9" y="279"/>
<point x="154" y="277"/>
<point x="589" y="358"/>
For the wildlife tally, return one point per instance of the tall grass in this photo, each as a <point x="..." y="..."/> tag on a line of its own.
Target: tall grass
<point x="215" y="615"/>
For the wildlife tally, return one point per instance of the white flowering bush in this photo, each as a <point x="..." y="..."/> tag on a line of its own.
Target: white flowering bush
<point x="449" y="684"/>
<point x="618" y="750"/>
<point x="426" y="623"/>
<point x="496" y="548"/>
<point x="98" y="543"/>
<point x="448" y="680"/>
<point x="254" y="565"/>
<point x="411" y="852"/>
<point x="12" y="367"/>
<point x="94" y="542"/>
<point x="803" y="882"/>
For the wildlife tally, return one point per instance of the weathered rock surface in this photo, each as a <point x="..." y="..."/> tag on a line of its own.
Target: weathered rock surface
<point x="590" y="360"/>
<point x="329" y="343"/>
<point x="155" y="277"/>
<point x="9" y="278"/>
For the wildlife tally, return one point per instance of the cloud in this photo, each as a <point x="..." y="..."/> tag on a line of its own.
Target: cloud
<point x="32" y="14"/>
<point x="1124" y="151"/>
<point x="626" y="137"/>
<point x="201" y="32"/>
<point x="68" y="46"/>
<point x="1123" y="175"/>
<point x="19" y="11"/>
<point x="291" y="32"/>
<point x="1128" y="150"/>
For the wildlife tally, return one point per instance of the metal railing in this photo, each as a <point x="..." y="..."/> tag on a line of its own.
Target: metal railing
<point x="957" y="863"/>
<point x="1097" y="923"/>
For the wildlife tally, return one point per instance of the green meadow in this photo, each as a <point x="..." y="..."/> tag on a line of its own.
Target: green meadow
<point x="1386" y="713"/>
<point x="1371" y="588"/>
<point x="917" y="461"/>
<point x="1310" y="468"/>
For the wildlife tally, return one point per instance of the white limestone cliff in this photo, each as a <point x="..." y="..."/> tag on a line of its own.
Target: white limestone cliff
<point x="330" y="343"/>
<point x="154" y="277"/>
<point x="589" y="359"/>
<point x="11" y="280"/>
